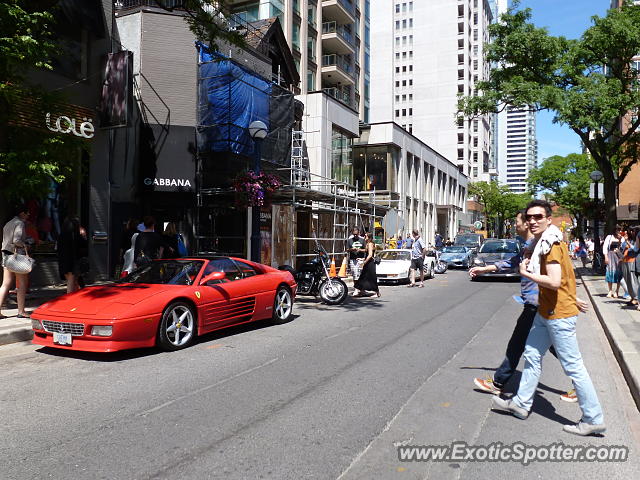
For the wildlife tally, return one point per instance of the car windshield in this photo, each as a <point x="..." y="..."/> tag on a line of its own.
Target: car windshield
<point x="466" y="240"/>
<point x="454" y="250"/>
<point x="166" y="272"/>
<point x="395" y="255"/>
<point x="499" y="247"/>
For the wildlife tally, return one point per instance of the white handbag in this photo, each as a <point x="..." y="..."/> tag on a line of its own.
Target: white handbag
<point x="18" y="263"/>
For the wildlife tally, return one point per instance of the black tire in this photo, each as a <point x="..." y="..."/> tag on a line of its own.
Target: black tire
<point x="282" y="306"/>
<point x="173" y="318"/>
<point x="335" y="295"/>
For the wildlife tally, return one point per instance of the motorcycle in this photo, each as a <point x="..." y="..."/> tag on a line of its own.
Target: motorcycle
<point x="313" y="279"/>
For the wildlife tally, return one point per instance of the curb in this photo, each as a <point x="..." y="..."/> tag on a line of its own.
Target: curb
<point x="20" y="334"/>
<point x="627" y="356"/>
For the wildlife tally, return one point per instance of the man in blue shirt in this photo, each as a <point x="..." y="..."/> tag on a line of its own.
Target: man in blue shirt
<point x="529" y="299"/>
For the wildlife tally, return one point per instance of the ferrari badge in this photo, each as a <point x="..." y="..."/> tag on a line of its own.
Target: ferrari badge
<point x="198" y="294"/>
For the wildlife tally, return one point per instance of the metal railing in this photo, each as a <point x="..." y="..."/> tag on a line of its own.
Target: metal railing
<point x="339" y="61"/>
<point x="340" y="95"/>
<point x="333" y="27"/>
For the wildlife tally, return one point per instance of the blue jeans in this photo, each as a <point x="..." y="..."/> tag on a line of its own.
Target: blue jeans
<point x="561" y="333"/>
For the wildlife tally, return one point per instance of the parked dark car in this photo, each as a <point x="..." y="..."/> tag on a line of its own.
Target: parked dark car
<point x="457" y="256"/>
<point x="493" y="251"/>
<point x="473" y="241"/>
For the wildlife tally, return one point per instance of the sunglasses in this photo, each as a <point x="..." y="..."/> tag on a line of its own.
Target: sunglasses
<point x="536" y="216"/>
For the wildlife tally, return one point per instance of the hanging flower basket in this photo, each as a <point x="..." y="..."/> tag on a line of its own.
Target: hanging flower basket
<point x="255" y="189"/>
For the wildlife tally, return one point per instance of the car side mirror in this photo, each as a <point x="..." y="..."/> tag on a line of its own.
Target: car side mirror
<point x="212" y="276"/>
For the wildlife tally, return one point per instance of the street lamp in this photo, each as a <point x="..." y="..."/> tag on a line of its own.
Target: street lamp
<point x="258" y="131"/>
<point x="596" y="176"/>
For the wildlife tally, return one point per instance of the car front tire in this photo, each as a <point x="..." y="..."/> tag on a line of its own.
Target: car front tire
<point x="282" y="306"/>
<point x="178" y="326"/>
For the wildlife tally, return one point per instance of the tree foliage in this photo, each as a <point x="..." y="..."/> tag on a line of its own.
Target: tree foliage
<point x="498" y="202"/>
<point x="590" y="84"/>
<point x="567" y="180"/>
<point x="30" y="156"/>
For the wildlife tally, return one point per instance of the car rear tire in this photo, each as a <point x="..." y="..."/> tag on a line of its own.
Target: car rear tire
<point x="178" y="326"/>
<point x="282" y="306"/>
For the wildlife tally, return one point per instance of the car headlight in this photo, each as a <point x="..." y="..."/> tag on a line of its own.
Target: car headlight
<point x="404" y="274"/>
<point x="101" y="330"/>
<point x="36" y="324"/>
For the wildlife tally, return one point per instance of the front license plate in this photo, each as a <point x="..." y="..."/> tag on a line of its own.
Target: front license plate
<point x="62" y="338"/>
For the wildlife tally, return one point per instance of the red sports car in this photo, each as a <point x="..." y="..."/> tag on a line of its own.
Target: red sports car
<point x="166" y="303"/>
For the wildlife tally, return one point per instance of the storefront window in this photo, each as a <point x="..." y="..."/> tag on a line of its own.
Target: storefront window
<point x="341" y="156"/>
<point x="373" y="168"/>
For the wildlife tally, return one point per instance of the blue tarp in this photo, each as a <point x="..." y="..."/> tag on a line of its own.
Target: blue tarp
<point x="229" y="99"/>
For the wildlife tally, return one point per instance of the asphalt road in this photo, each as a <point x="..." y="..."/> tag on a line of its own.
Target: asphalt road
<point x="329" y="395"/>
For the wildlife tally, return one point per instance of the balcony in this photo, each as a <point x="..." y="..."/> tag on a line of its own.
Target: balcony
<point x="342" y="11"/>
<point x="337" y="39"/>
<point x="343" y="96"/>
<point x="337" y="69"/>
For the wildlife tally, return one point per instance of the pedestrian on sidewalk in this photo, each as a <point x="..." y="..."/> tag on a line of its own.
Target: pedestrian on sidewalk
<point x="613" y="274"/>
<point x="529" y="299"/>
<point x="368" y="280"/>
<point x="581" y="251"/>
<point x="14" y="241"/>
<point x="355" y="248"/>
<point x="149" y="244"/>
<point x="418" y="252"/>
<point x="628" y="267"/>
<point x="71" y="247"/>
<point x="554" y="324"/>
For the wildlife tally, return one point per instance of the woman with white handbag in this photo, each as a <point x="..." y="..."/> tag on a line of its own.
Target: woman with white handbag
<point x="16" y="262"/>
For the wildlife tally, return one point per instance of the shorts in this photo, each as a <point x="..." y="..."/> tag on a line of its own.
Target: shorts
<point x="417" y="263"/>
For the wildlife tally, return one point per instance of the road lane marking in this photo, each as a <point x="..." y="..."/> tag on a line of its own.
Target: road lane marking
<point x="208" y="387"/>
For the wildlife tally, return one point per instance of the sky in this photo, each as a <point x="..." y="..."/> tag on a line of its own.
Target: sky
<point x="568" y="18"/>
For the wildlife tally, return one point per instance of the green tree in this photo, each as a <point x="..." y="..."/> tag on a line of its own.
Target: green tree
<point x="589" y="83"/>
<point x="498" y="203"/>
<point x="30" y="155"/>
<point x="567" y="180"/>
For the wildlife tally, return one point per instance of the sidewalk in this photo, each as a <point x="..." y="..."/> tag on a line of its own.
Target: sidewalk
<point x="13" y="329"/>
<point x="621" y="323"/>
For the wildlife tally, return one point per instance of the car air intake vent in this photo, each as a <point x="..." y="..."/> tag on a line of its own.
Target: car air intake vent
<point x="232" y="309"/>
<point x="75" y="329"/>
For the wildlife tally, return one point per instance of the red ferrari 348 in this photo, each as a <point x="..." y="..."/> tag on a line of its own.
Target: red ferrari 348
<point x="167" y="303"/>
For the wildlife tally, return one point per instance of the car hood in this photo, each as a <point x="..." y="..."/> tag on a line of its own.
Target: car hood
<point x="490" y="258"/>
<point x="393" y="266"/>
<point x="452" y="255"/>
<point x="105" y="299"/>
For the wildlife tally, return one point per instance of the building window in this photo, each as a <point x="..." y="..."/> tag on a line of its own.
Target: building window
<point x="311" y="15"/>
<point x="397" y="41"/>
<point x="411" y="111"/>
<point x="404" y="55"/>
<point x="411" y="68"/>
<point x="397" y="83"/>
<point x="397" y="55"/>
<point x="397" y="8"/>
<point x="404" y="83"/>
<point x="404" y="23"/>
<point x="311" y="80"/>
<point x="341" y="156"/>
<point x="411" y="23"/>
<point x="404" y="69"/>
<point x="397" y="69"/>
<point x="295" y="37"/>
<point x="397" y="113"/>
<point x="397" y="98"/>
<point x="404" y="112"/>
<point x="311" y="48"/>
<point x="397" y="24"/>
<point x="410" y="81"/>
<point x="411" y="128"/>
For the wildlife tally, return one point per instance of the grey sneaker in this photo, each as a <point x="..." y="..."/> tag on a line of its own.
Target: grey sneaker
<point x="508" y="406"/>
<point x="583" y="429"/>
